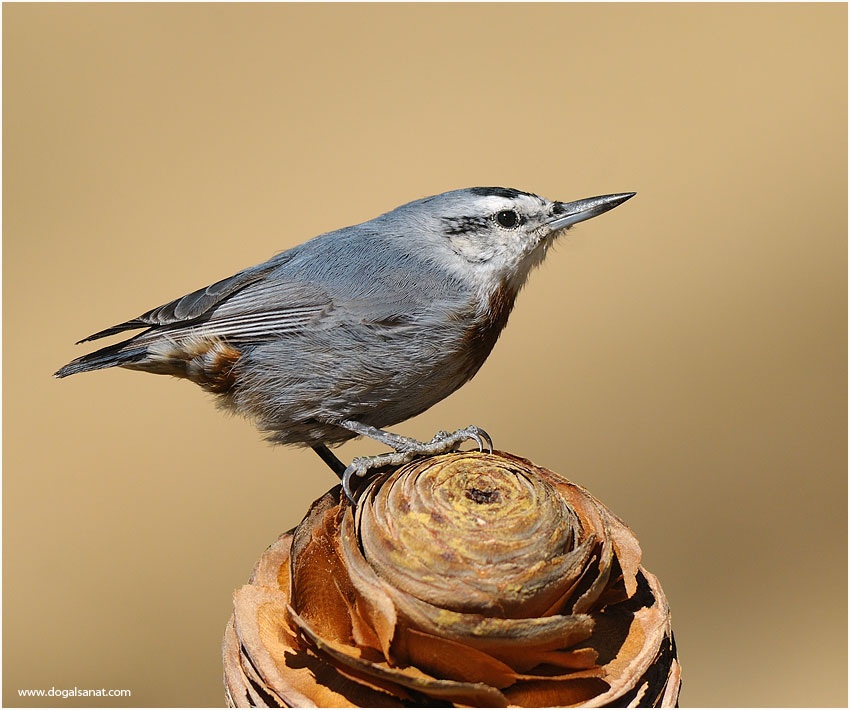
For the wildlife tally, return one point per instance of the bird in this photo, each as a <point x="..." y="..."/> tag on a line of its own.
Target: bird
<point x="357" y="329"/>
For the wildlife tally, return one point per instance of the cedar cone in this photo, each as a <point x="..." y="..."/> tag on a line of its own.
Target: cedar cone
<point x="463" y="579"/>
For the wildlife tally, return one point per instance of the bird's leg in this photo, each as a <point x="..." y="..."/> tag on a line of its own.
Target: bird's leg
<point x="328" y="456"/>
<point x="404" y="448"/>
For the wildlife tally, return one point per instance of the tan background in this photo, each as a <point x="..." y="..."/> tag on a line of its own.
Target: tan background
<point x="684" y="357"/>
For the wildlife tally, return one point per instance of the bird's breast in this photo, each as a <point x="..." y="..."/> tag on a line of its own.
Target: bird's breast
<point x="480" y="337"/>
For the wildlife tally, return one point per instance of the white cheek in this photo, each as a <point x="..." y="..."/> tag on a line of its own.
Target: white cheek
<point x="474" y="252"/>
<point x="523" y="264"/>
<point x="507" y="257"/>
<point x="514" y="249"/>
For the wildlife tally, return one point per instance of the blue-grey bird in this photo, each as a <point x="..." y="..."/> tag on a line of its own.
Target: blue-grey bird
<point x="357" y="329"/>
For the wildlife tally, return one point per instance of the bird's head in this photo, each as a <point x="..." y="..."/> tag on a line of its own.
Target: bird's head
<point x="495" y="234"/>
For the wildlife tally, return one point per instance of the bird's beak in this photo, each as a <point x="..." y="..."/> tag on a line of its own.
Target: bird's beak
<point x="565" y="214"/>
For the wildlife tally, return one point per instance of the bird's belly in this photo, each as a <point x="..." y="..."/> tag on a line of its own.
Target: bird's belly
<point x="295" y="387"/>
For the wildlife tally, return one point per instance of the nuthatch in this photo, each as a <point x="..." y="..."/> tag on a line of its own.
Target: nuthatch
<point x="357" y="329"/>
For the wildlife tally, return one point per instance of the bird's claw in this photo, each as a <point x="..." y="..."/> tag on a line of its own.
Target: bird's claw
<point x="441" y="443"/>
<point x="479" y="436"/>
<point x="356" y="468"/>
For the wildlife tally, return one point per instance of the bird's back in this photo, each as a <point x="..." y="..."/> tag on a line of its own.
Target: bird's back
<point x="357" y="323"/>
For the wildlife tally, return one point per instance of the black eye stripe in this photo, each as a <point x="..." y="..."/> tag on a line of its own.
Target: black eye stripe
<point x="507" y="219"/>
<point x="463" y="225"/>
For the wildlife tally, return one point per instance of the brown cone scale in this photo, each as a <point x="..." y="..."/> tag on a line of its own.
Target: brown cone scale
<point x="466" y="579"/>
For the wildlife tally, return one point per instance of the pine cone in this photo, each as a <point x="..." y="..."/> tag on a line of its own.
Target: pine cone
<point x="463" y="579"/>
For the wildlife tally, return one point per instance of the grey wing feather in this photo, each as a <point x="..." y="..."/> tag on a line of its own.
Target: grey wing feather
<point x="247" y="305"/>
<point x="193" y="306"/>
<point x="262" y="310"/>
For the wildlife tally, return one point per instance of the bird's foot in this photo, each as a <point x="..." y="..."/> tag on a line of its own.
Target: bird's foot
<point x="406" y="449"/>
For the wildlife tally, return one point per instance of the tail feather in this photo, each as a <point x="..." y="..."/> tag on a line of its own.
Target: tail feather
<point x="120" y="328"/>
<point x="110" y="356"/>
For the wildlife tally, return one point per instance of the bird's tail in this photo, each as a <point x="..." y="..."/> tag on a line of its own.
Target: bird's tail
<point x="118" y="355"/>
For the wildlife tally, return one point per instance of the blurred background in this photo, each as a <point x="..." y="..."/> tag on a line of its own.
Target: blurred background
<point x="683" y="357"/>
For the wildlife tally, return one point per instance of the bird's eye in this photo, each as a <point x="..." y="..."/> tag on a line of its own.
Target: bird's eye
<point x="508" y="219"/>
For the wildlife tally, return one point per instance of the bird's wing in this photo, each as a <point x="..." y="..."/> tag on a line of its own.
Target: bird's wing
<point x="265" y="309"/>
<point x="292" y="291"/>
<point x="247" y="306"/>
